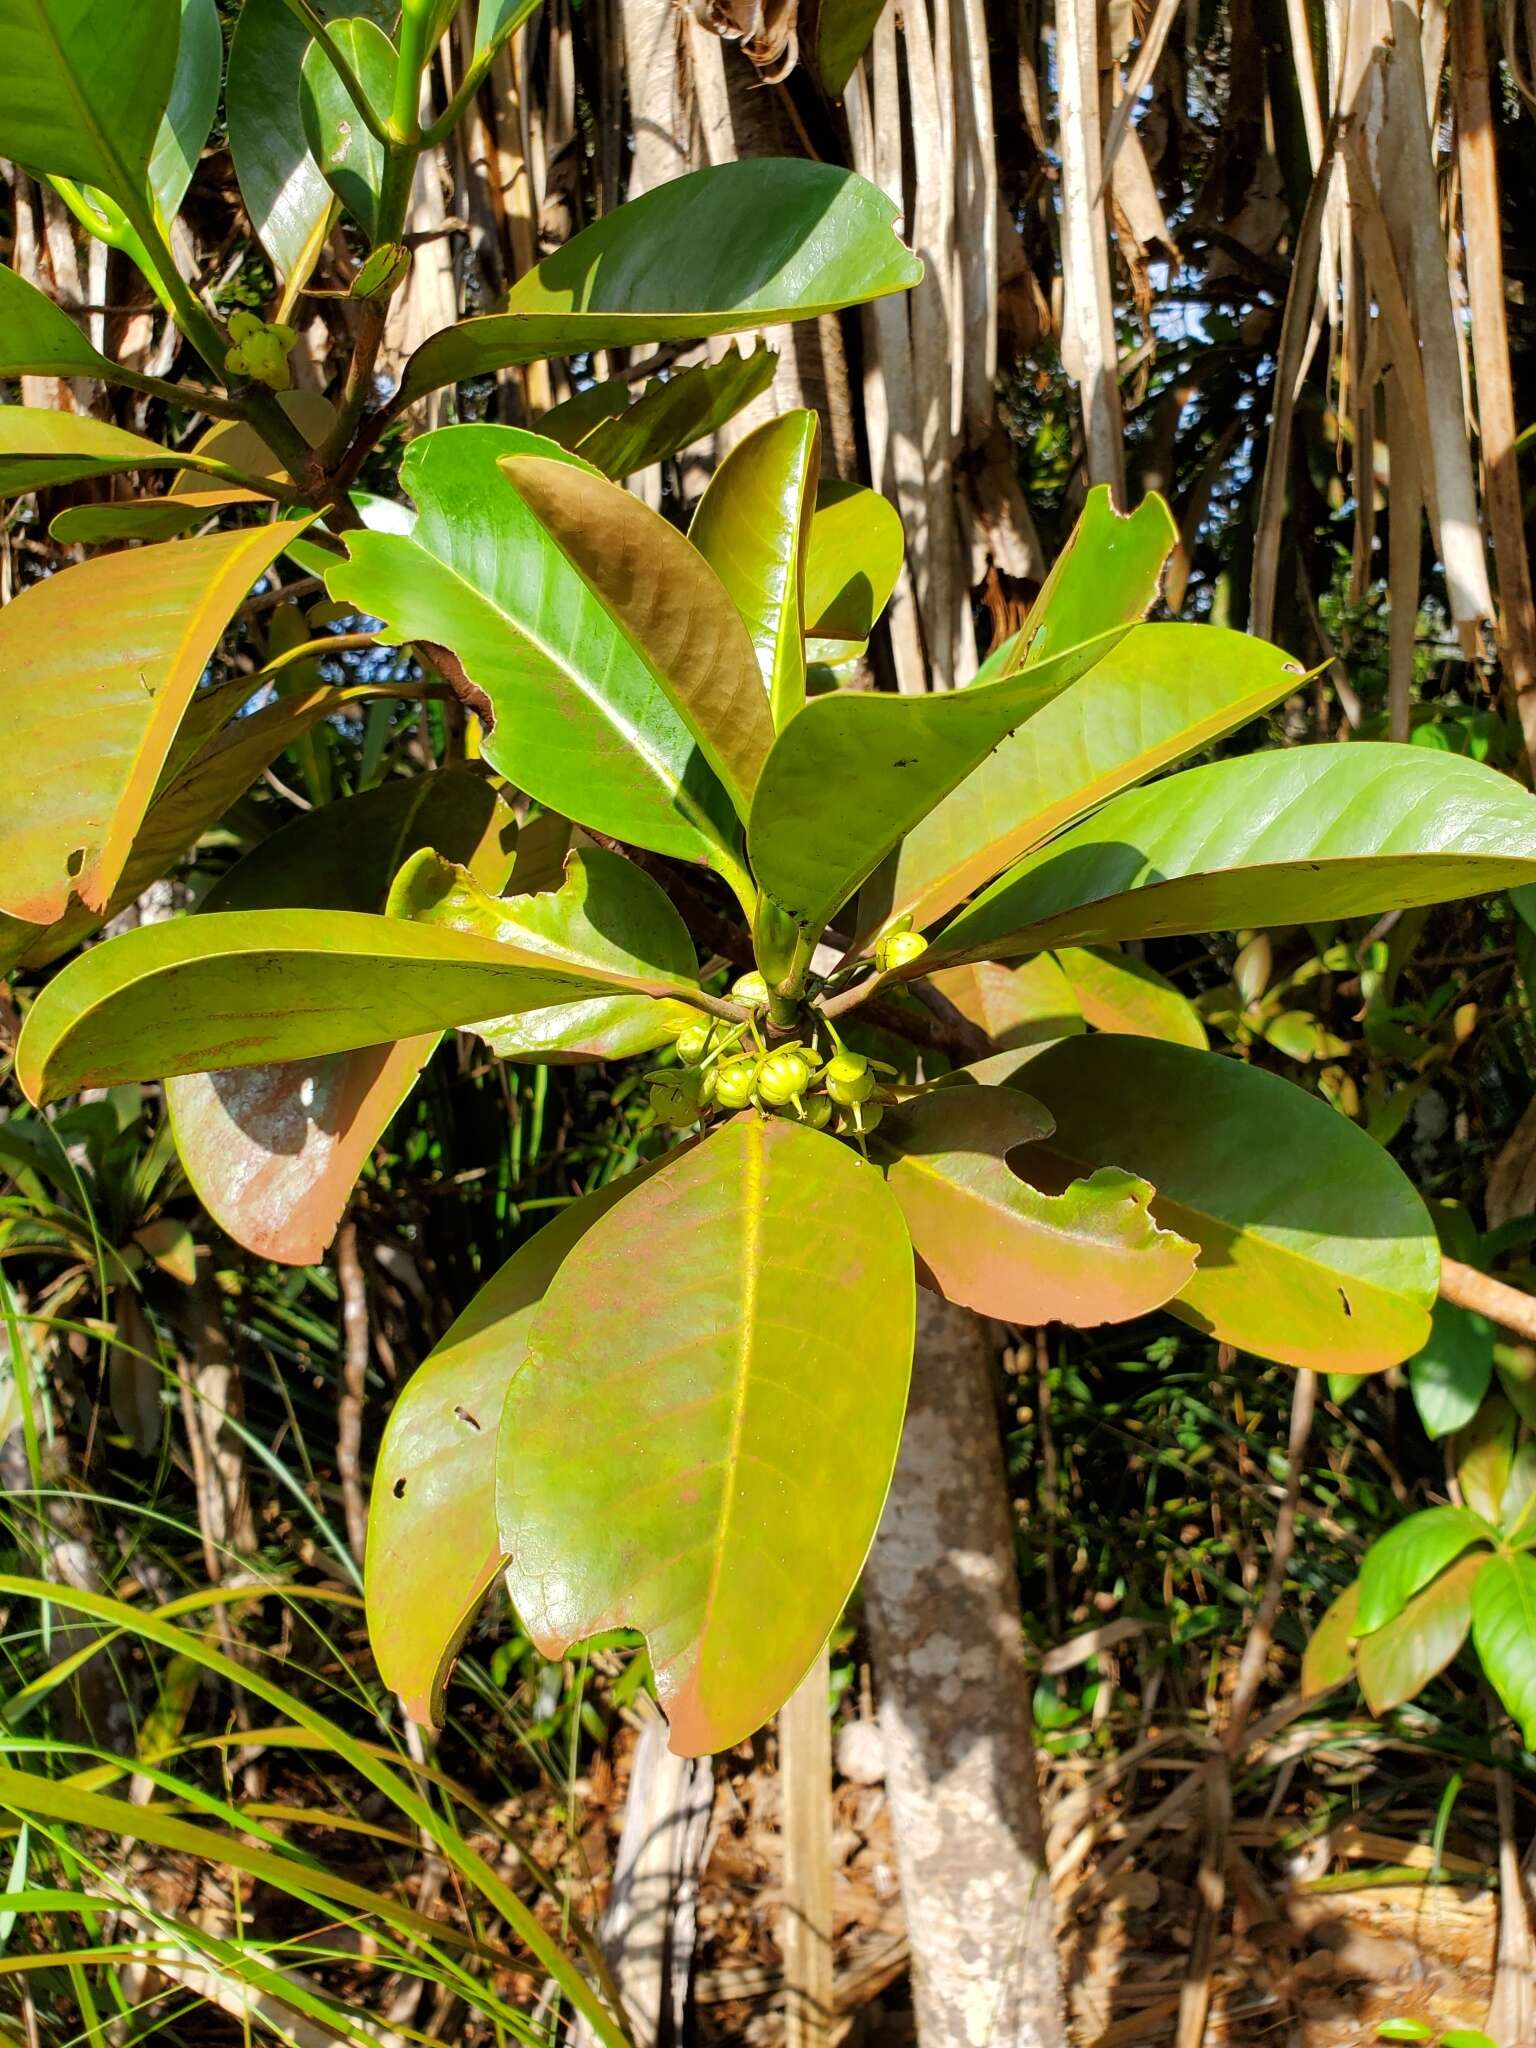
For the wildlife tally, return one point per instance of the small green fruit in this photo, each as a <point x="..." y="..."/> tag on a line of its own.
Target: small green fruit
<point x="782" y="1076"/>
<point x="815" y="1110"/>
<point x="848" y="1079"/>
<point x="693" y="1041"/>
<point x="733" y="1083"/>
<point x="751" y="989"/>
<point x="899" y="949"/>
<point x="863" y="1117"/>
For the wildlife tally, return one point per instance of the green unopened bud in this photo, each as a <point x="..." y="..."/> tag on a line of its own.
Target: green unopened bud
<point x="848" y="1079"/>
<point x="694" y="1040"/>
<point x="782" y="1076"/>
<point x="862" y="1117"/>
<point x="815" y="1110"/>
<point x="733" y="1083"/>
<point x="751" y="990"/>
<point x="383" y="273"/>
<point x="260" y="351"/>
<point x="899" y="949"/>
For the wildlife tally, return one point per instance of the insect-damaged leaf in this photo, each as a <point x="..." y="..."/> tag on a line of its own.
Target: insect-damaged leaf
<point x="97" y="666"/>
<point x="992" y="1242"/>
<point x="273" y="1151"/>
<point x="690" y="1448"/>
<point x="1314" y="1247"/>
<point x="433" y="1547"/>
<point x="748" y="245"/>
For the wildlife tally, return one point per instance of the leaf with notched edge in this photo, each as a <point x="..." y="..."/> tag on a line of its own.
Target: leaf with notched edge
<point x="687" y="1450"/>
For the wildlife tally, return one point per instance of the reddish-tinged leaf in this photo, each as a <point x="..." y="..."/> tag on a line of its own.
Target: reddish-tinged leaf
<point x="1029" y="1004"/>
<point x="1330" y="1653"/>
<point x="990" y="1241"/>
<point x="700" y="1443"/>
<point x="1395" y="1663"/>
<point x="1117" y="992"/>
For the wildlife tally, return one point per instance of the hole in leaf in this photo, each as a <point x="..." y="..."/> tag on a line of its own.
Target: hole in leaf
<point x="75" y="862"/>
<point x="399" y="1489"/>
<point x="464" y="1416"/>
<point x="1345" y="1299"/>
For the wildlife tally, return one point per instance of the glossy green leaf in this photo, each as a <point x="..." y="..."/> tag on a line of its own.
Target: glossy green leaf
<point x="753" y="527"/>
<point x="659" y="600"/>
<point x="687" y="1450"/>
<point x="193" y="104"/>
<point x="991" y="1242"/>
<point x="608" y="921"/>
<point x="855" y="556"/>
<point x="1117" y="992"/>
<point x="1504" y="1633"/>
<point x="248" y="987"/>
<point x="273" y="1151"/>
<point x="854" y="771"/>
<point x="1517" y="1509"/>
<point x="1164" y="692"/>
<point x="40" y="448"/>
<point x="37" y="339"/>
<point x="843" y="30"/>
<point x="1409" y="1556"/>
<point x="670" y="414"/>
<point x="433" y="1547"/>
<point x="497" y="20"/>
<point x="1450" y="1376"/>
<point x="1483" y="1457"/>
<point x="1396" y="1662"/>
<point x="748" y="245"/>
<point x="481" y="575"/>
<point x="350" y="156"/>
<point x="84" y="85"/>
<point x="1301" y="836"/>
<point x="1029" y="1004"/>
<point x="125" y="519"/>
<point x="1330" y="1656"/>
<point x="98" y="663"/>
<point x="285" y="194"/>
<point x="1314" y="1248"/>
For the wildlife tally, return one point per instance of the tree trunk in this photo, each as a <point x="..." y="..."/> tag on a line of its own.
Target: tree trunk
<point x="954" y="1701"/>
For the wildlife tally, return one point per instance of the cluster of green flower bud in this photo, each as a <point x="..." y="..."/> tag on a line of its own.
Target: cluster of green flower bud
<point x="721" y="1072"/>
<point x="260" y="351"/>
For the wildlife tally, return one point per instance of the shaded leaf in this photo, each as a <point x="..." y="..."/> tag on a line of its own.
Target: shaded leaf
<point x="481" y="575"/>
<point x="1329" y="1657"/>
<point x="856" y="552"/>
<point x="193" y="104"/>
<point x="669" y="415"/>
<point x="1398" y="1661"/>
<point x="1029" y="1004"/>
<point x="84" y="85"/>
<point x="843" y="30"/>
<point x="1483" y="1456"/>
<point x="658" y="597"/>
<point x="753" y="527"/>
<point x="993" y="1243"/>
<point x="350" y="157"/>
<point x="1314" y="1248"/>
<point x="1295" y="837"/>
<point x="1117" y="992"/>
<point x="40" y="448"/>
<point x="125" y="519"/>
<point x="37" y="339"/>
<point x="686" y="1438"/>
<point x="1409" y="1556"/>
<point x="1159" y="695"/>
<point x="98" y="663"/>
<point x="244" y="988"/>
<point x="1504" y="1632"/>
<point x="748" y="245"/>
<point x="1450" y="1376"/>
<point x="273" y="1151"/>
<point x="433" y="1546"/>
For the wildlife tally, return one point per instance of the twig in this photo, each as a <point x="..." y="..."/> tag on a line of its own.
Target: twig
<point x="1508" y="1306"/>
<point x="349" y="1427"/>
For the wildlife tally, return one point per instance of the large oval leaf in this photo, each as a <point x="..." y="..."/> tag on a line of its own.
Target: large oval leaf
<point x="193" y="104"/>
<point x="1306" y="835"/>
<point x="1164" y="692"/>
<point x="350" y="156"/>
<point x="667" y="416"/>
<point x="700" y="1443"/>
<point x="854" y="559"/>
<point x="1027" y="1004"/>
<point x="747" y="245"/>
<point x="658" y="597"/>
<point x="273" y="1151"/>
<point x="1314" y="1248"/>
<point x="39" y="449"/>
<point x="97" y="666"/>
<point x="285" y="194"/>
<point x="37" y="339"/>
<point x="247" y="987"/>
<point x="595" y="739"/>
<point x="753" y="527"/>
<point x="1117" y="992"/>
<point x="1395" y="1663"/>
<point x="84" y="85"/>
<point x="853" y="771"/>
<point x="1504" y="1631"/>
<point x="433" y="1545"/>
<point x="993" y="1243"/>
<point x="1409" y="1556"/>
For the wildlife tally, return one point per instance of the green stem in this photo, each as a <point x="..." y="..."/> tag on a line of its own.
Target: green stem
<point x="339" y="63"/>
<point x="177" y="296"/>
<point x="405" y="114"/>
<point x="453" y="113"/>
